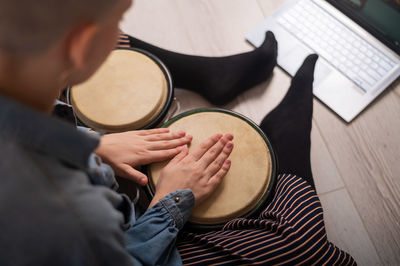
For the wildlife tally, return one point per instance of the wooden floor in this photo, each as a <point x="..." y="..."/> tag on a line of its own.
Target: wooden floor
<point x="356" y="166"/>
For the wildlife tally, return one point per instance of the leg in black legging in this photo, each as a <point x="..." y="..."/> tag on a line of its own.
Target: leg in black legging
<point x="218" y="79"/>
<point x="289" y="124"/>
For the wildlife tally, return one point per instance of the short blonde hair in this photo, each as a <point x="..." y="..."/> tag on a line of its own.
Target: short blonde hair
<point x="31" y="26"/>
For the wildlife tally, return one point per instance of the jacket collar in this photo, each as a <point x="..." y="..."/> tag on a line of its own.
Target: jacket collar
<point x="45" y="134"/>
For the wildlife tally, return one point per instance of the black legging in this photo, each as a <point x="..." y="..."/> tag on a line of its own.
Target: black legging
<point x="220" y="79"/>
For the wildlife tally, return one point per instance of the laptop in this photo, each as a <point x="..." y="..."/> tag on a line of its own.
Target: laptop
<point x="358" y="43"/>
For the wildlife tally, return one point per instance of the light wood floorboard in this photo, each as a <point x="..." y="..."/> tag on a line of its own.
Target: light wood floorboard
<point x="157" y="22"/>
<point x="350" y="236"/>
<point x="367" y="154"/>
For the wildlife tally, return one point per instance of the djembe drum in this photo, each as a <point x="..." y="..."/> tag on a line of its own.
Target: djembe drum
<point x="249" y="182"/>
<point x="132" y="90"/>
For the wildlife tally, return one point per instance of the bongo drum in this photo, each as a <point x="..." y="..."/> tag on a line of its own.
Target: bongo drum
<point x="251" y="177"/>
<point x="131" y="90"/>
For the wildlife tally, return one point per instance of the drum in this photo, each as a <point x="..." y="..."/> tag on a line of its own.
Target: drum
<point x="250" y="180"/>
<point x="131" y="90"/>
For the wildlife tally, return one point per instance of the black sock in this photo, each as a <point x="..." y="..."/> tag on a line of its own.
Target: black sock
<point x="218" y="79"/>
<point x="289" y="125"/>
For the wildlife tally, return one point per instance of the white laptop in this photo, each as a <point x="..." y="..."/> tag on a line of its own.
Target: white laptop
<point x="358" y="42"/>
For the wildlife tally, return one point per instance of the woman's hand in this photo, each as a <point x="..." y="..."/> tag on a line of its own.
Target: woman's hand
<point x="201" y="171"/>
<point x="124" y="151"/>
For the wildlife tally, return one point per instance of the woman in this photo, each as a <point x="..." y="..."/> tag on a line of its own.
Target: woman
<point x="283" y="233"/>
<point x="290" y="230"/>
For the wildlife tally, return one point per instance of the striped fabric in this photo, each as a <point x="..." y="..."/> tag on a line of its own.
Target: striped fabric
<point x="290" y="231"/>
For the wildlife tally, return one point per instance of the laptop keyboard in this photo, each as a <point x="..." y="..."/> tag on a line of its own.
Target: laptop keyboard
<point x="344" y="49"/>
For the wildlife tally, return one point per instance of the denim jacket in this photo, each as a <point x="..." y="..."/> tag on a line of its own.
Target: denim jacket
<point x="56" y="207"/>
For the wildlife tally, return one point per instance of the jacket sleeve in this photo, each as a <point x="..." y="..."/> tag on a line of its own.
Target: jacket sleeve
<point x="109" y="236"/>
<point x="151" y="239"/>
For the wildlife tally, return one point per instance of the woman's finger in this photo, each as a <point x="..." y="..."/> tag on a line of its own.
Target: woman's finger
<point x="151" y="131"/>
<point x="169" y="144"/>
<point x="205" y="146"/>
<point x="215" y="151"/>
<point x="217" y="164"/>
<point x="127" y="171"/>
<point x="216" y="179"/>
<point x="181" y="155"/>
<point x="161" y="155"/>
<point x="165" y="136"/>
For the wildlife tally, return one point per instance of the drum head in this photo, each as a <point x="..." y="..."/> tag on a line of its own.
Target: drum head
<point x="126" y="93"/>
<point x="249" y="179"/>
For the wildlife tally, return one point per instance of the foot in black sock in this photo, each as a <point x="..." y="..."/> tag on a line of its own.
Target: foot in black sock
<point x="218" y="79"/>
<point x="224" y="78"/>
<point x="289" y="125"/>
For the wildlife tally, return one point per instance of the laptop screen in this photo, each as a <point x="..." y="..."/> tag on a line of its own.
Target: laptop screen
<point x="379" y="17"/>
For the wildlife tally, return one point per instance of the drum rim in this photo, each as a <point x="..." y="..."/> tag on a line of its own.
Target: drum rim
<point x="271" y="185"/>
<point x="170" y="93"/>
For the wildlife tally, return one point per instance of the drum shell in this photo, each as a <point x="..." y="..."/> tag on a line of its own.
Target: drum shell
<point x="267" y="196"/>
<point x="165" y="112"/>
